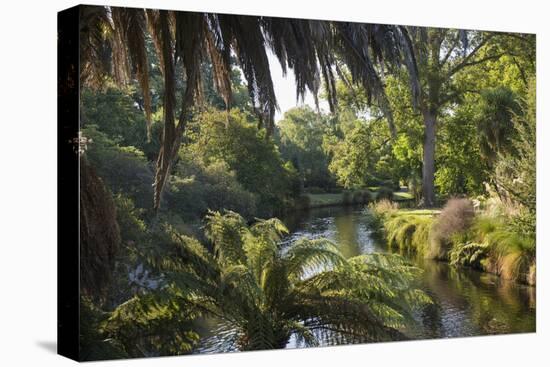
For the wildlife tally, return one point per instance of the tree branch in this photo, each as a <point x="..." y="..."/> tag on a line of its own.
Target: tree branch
<point x="465" y="62"/>
<point x="521" y="71"/>
<point x="480" y="61"/>
<point x="450" y="50"/>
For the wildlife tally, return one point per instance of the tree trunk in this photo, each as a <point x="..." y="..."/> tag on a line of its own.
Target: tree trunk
<point x="428" y="160"/>
<point x="169" y="132"/>
<point x="99" y="232"/>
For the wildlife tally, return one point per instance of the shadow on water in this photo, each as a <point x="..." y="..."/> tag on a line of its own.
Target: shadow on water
<point x="466" y="302"/>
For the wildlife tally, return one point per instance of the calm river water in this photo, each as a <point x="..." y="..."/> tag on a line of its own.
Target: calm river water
<point x="466" y="302"/>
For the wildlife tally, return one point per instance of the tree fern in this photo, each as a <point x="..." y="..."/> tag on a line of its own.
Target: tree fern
<point x="272" y="293"/>
<point x="267" y="293"/>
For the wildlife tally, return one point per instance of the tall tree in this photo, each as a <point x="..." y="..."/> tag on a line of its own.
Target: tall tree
<point x="439" y="55"/>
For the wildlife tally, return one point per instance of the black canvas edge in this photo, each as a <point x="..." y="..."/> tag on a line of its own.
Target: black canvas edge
<point x="68" y="244"/>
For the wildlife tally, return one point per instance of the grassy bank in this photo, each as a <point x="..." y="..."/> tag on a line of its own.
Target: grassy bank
<point x="456" y="234"/>
<point x="321" y="200"/>
<point x="354" y="198"/>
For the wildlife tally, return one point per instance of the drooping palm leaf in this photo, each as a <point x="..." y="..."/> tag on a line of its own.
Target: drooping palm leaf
<point x="94" y="51"/>
<point x="130" y="28"/>
<point x="249" y="43"/>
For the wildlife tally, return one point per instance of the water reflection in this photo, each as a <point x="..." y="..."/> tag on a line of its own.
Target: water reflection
<point x="344" y="226"/>
<point x="466" y="302"/>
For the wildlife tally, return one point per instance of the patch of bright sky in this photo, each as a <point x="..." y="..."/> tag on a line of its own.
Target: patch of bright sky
<point x="285" y="89"/>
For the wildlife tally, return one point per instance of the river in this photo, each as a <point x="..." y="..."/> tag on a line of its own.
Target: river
<point x="466" y="302"/>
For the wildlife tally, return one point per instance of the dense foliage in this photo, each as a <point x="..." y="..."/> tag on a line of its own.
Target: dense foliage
<point x="300" y="137"/>
<point x="186" y="172"/>
<point x="217" y="136"/>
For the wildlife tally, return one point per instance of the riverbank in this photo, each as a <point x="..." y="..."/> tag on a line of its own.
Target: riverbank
<point x="353" y="198"/>
<point x="460" y="236"/>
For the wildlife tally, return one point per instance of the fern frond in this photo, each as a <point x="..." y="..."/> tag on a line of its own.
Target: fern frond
<point x="307" y="256"/>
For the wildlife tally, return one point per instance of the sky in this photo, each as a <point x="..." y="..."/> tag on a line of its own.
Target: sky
<point x="285" y="89"/>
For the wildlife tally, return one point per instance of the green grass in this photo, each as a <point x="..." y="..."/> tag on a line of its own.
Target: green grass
<point x="406" y="229"/>
<point x="318" y="200"/>
<point x="397" y="196"/>
<point x="334" y="199"/>
<point x="429" y="212"/>
<point x="402" y="196"/>
<point x="409" y="232"/>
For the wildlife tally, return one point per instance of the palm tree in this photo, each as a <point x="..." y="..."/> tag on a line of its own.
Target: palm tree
<point x="113" y="42"/>
<point x="495" y="123"/>
<point x="267" y="292"/>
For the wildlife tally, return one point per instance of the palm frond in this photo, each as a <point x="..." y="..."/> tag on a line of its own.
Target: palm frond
<point x="219" y="51"/>
<point x="95" y="29"/>
<point x="303" y="334"/>
<point x="249" y="43"/>
<point x="353" y="41"/>
<point x="129" y="28"/>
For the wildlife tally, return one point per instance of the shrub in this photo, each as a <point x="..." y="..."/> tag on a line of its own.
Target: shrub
<point x="384" y="208"/>
<point x="116" y="114"/>
<point x="215" y="136"/>
<point x="357" y="197"/>
<point x="471" y="254"/>
<point x="135" y="239"/>
<point x="525" y="222"/>
<point x="389" y="184"/>
<point x="132" y="227"/>
<point x="494" y="206"/>
<point x="409" y="232"/>
<point x="197" y="187"/>
<point x="124" y="168"/>
<point x="456" y="216"/>
<point x="187" y="196"/>
<point x="454" y="220"/>
<point x="223" y="191"/>
<point x="515" y="171"/>
<point x="512" y="255"/>
<point x="377" y="212"/>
